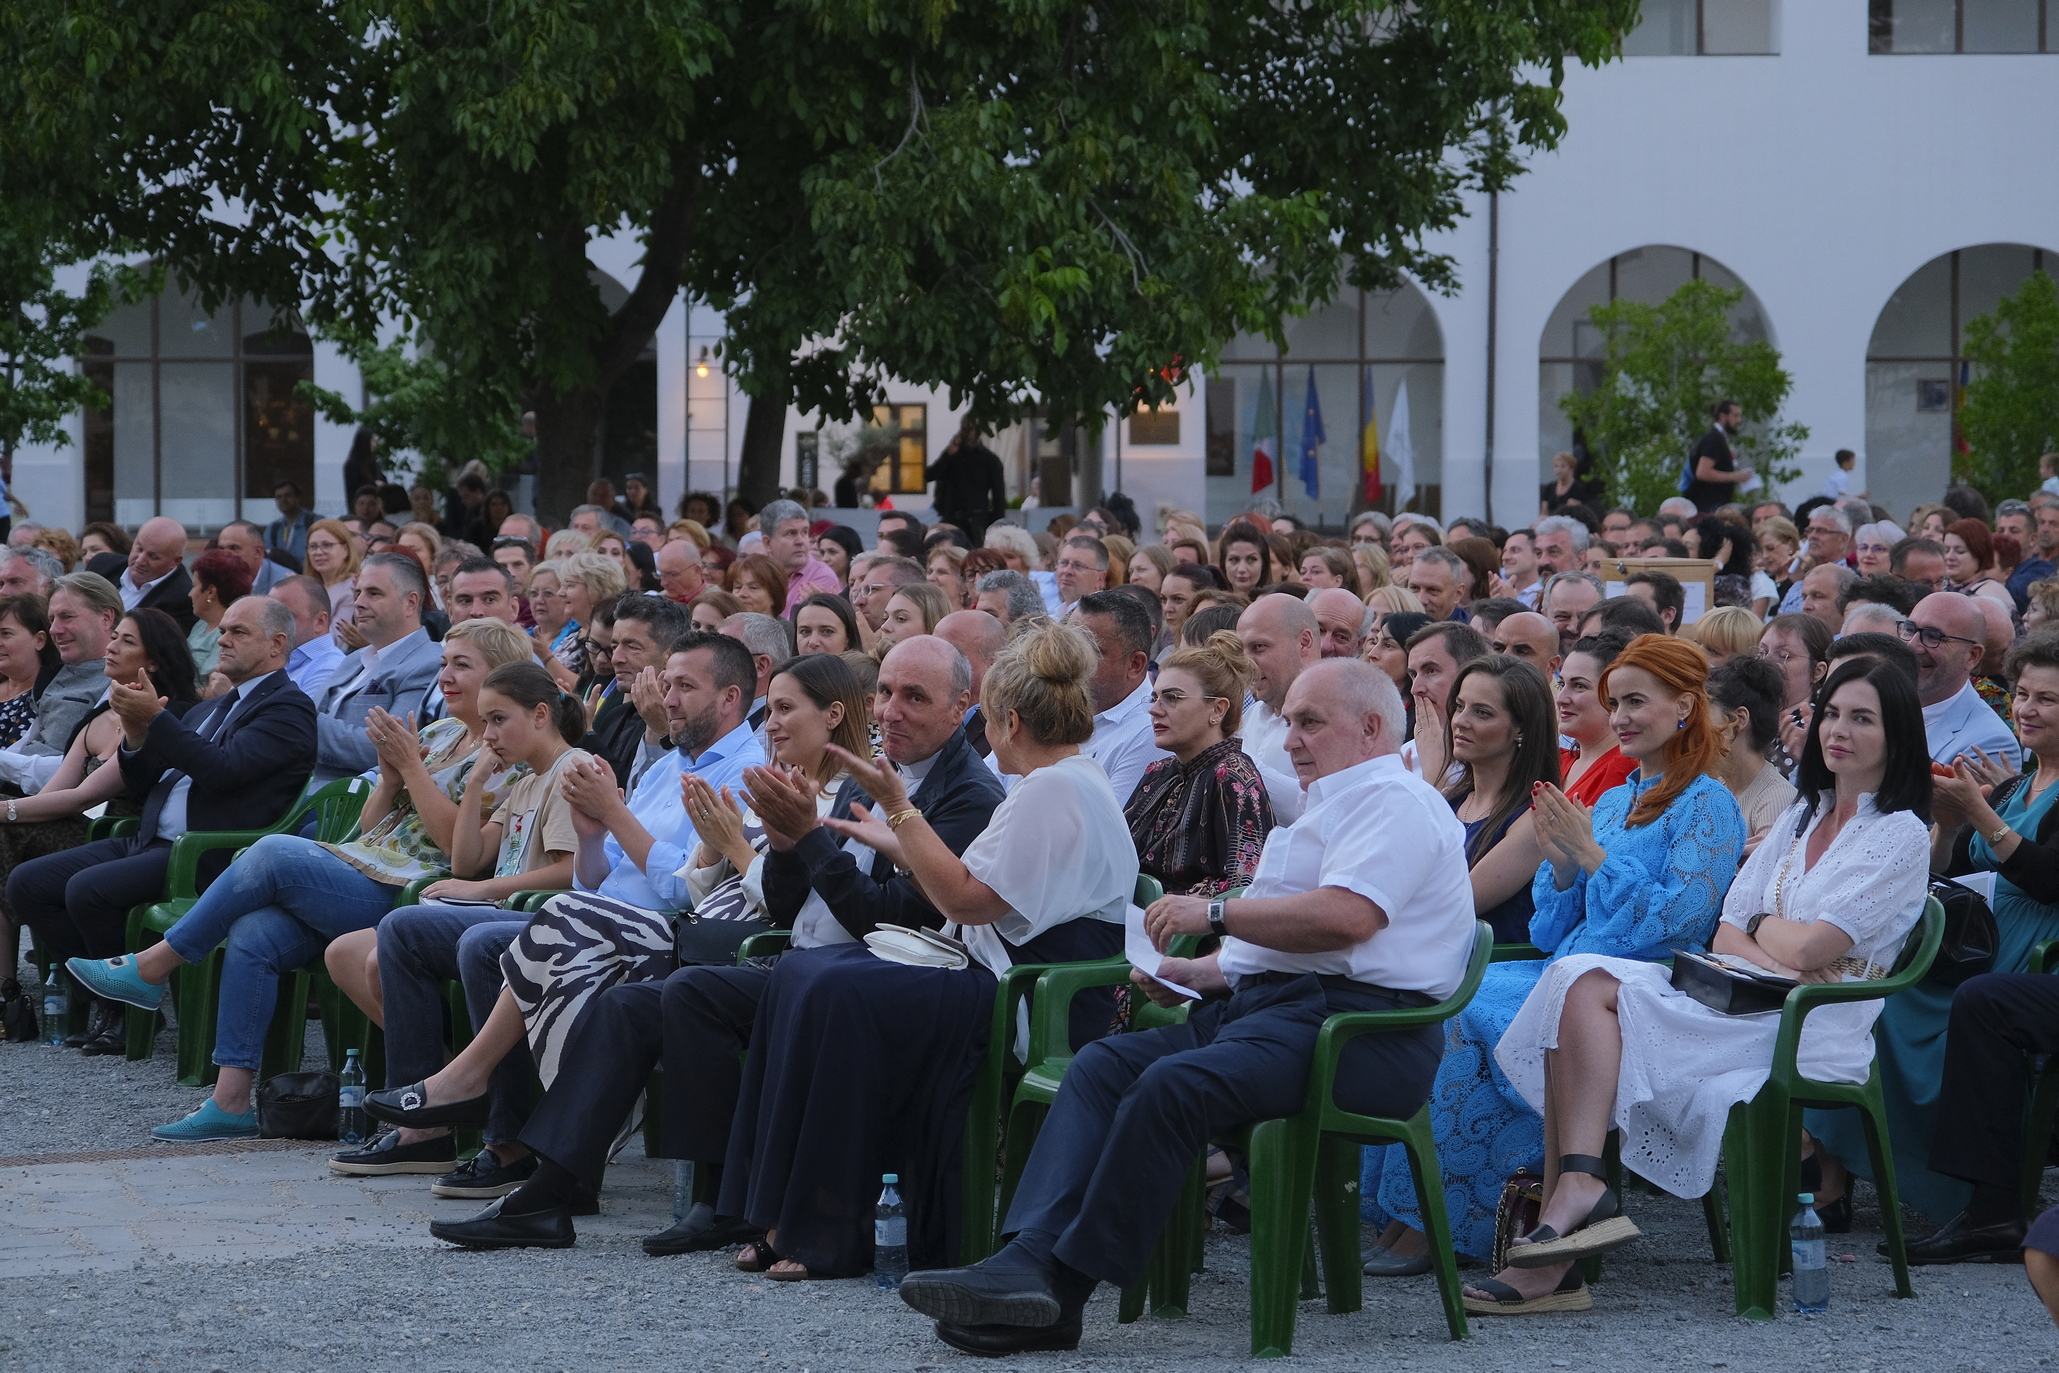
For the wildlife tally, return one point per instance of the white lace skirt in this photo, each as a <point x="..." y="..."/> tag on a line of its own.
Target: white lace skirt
<point x="1684" y="1065"/>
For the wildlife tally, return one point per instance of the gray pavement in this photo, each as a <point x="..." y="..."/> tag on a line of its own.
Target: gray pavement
<point x="168" y="1258"/>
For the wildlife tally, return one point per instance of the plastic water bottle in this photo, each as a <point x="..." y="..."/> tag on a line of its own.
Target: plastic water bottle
<point x="350" y="1101"/>
<point x="682" y="1188"/>
<point x="889" y="1236"/>
<point x="56" y="1008"/>
<point x="1811" y="1270"/>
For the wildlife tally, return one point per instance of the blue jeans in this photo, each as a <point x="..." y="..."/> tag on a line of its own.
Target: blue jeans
<point x="277" y="906"/>
<point x="421" y="948"/>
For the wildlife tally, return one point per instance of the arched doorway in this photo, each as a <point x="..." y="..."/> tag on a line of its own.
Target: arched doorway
<point x="1915" y="370"/>
<point x="1569" y="353"/>
<point x="204" y="422"/>
<point x="1367" y="351"/>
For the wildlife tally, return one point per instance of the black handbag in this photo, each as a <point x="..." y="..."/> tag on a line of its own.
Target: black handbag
<point x="298" y="1106"/>
<point x="1727" y="990"/>
<point x="1968" y="948"/>
<point x="17" y="1014"/>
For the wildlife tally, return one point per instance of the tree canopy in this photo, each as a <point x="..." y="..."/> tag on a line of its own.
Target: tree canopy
<point x="2010" y="417"/>
<point x="1021" y="197"/>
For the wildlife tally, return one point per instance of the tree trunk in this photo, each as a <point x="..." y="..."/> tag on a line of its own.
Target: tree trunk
<point x="565" y="428"/>
<point x="757" y="469"/>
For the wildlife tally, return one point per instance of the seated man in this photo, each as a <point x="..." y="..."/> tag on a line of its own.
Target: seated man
<point x="1997" y="1019"/>
<point x="394" y="671"/>
<point x="629" y="722"/>
<point x="698" y="1021"/>
<point x="631" y="854"/>
<point x="1362" y="904"/>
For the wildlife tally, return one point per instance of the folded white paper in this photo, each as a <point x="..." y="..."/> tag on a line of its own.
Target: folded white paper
<point x="1137" y="945"/>
<point x="1982" y="883"/>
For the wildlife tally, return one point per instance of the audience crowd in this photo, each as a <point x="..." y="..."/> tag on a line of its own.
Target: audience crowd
<point x="742" y="801"/>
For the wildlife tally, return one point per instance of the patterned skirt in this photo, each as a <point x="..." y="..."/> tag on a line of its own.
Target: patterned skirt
<point x="572" y="950"/>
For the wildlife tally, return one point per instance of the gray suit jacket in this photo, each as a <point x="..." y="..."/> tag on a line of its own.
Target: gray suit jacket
<point x="407" y="670"/>
<point x="75" y="689"/>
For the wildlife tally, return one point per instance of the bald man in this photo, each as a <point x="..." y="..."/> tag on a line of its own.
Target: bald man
<point x="1283" y="637"/>
<point x="980" y="637"/>
<point x="679" y="570"/>
<point x="1532" y="638"/>
<point x="1341" y="619"/>
<point x="1948" y="634"/>
<point x="156" y="578"/>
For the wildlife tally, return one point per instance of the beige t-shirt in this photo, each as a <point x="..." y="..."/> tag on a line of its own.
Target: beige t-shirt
<point x="536" y="806"/>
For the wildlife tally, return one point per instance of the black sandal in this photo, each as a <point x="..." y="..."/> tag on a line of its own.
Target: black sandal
<point x="1835" y="1215"/>
<point x="1570" y="1295"/>
<point x="755" y="1257"/>
<point x="1605" y="1228"/>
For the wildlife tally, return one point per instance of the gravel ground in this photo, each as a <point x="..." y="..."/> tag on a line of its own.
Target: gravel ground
<point x="1661" y="1304"/>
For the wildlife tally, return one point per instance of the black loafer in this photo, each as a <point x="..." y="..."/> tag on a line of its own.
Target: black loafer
<point x="999" y="1341"/>
<point x="111" y="1040"/>
<point x="1958" y="1242"/>
<point x="551" y="1229"/>
<point x="977" y="1296"/>
<point x="410" y="1106"/>
<point x="700" y="1229"/>
<point x="483" y="1175"/>
<point x="387" y="1156"/>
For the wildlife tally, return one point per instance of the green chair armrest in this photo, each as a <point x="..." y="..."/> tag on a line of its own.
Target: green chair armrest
<point x="1913" y="966"/>
<point x="530" y="899"/>
<point x="111" y="827"/>
<point x="411" y="894"/>
<point x="1341" y="1029"/>
<point x="336" y="805"/>
<point x="764" y="943"/>
<point x="182" y="878"/>
<point x="2044" y="958"/>
<point x="1051" y="1003"/>
<point x="1517" y="953"/>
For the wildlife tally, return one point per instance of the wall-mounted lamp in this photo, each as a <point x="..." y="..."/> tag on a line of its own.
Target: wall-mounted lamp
<point x="700" y="368"/>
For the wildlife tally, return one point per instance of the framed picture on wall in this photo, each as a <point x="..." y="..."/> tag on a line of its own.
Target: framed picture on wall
<point x="1933" y="397"/>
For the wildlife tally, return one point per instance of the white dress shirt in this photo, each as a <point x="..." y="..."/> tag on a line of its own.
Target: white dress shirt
<point x="1265" y="744"/>
<point x="1123" y="745"/>
<point x="171" y="821"/>
<point x="132" y="595"/>
<point x="1380" y="831"/>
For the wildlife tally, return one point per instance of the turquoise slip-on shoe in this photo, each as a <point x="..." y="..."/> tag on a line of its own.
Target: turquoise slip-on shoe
<point x="209" y="1122"/>
<point x="116" y="979"/>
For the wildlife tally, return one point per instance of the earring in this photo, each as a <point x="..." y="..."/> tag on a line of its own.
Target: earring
<point x="1681" y="723"/>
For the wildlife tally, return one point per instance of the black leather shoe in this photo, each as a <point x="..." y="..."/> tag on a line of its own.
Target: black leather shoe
<point x="490" y="1229"/>
<point x="484" y="1175"/>
<point x="981" y="1295"/>
<point x="96" y="1021"/>
<point x="112" y="1039"/>
<point x="1958" y="1242"/>
<point x="410" y="1106"/>
<point x="999" y="1341"/>
<point x="700" y="1229"/>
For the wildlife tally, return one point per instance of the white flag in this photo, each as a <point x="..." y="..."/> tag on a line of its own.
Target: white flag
<point x="1400" y="449"/>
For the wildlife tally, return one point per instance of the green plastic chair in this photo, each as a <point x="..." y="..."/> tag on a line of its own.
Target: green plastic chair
<point x="1313" y="1157"/>
<point x="2044" y="1096"/>
<point x="193" y="987"/>
<point x="1760" y="1159"/>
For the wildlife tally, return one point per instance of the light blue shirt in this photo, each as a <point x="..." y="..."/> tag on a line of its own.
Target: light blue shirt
<point x="657" y="806"/>
<point x="311" y="665"/>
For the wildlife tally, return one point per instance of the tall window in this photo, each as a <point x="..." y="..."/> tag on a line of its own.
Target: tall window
<point x="204" y="423"/>
<point x="1704" y="28"/>
<point x="911" y="454"/>
<point x="1979" y="26"/>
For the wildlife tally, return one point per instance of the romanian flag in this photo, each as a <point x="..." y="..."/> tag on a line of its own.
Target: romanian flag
<point x="1369" y="442"/>
<point x="1265" y="437"/>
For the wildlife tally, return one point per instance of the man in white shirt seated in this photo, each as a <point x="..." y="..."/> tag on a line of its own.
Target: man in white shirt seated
<point x="1947" y="633"/>
<point x="1123" y="743"/>
<point x="1362" y="904"/>
<point x="1283" y="637"/>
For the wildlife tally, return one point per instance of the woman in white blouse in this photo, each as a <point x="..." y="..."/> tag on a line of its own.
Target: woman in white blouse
<point x="1604" y="1043"/>
<point x="888" y="1051"/>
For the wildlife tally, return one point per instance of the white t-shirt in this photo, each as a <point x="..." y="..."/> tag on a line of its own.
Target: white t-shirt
<point x="1057" y="849"/>
<point x="1380" y="831"/>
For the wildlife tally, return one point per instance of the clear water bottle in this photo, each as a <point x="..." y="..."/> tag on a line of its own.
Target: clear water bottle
<point x="1811" y="1268"/>
<point x="682" y="1188"/>
<point x="56" y="1007"/>
<point x="350" y="1101"/>
<point x="889" y="1236"/>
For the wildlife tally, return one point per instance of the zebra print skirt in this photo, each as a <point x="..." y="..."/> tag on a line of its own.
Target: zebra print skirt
<point x="572" y="950"/>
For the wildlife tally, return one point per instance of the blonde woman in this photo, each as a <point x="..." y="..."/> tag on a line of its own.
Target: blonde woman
<point x="946" y="569"/>
<point x="916" y="608"/>
<point x="565" y="543"/>
<point x="1393" y="599"/>
<point x="1150" y="565"/>
<point x="1120" y="551"/>
<point x="1016" y="545"/>
<point x="332" y="557"/>
<point x="1725" y="632"/>
<point x="584" y="581"/>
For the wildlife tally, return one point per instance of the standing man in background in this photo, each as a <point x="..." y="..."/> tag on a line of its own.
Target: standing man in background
<point x="971" y="489"/>
<point x="1716" y="473"/>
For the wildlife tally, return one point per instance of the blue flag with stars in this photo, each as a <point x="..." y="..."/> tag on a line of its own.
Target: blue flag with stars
<point x="1312" y="440"/>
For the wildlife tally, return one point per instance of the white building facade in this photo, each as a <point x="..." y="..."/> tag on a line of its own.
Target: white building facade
<point x="1874" y="173"/>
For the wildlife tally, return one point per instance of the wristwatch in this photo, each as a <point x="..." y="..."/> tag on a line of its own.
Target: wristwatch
<point x="1751" y="926"/>
<point x="1215" y="920"/>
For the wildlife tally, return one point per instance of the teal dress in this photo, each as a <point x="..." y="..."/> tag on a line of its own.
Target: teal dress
<point x="1909" y="1037"/>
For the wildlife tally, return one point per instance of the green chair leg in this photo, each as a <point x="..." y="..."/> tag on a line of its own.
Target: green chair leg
<point x="1874" y="1116"/>
<point x="1283" y="1158"/>
<point x="1764" y="1164"/>
<point x="2037" y="1135"/>
<point x="286" y="1037"/>
<point x="653" y="1113"/>
<point x="1719" y="1228"/>
<point x="1172" y="1268"/>
<point x="1337" y="1222"/>
<point x="1421" y="1144"/>
<point x="196" y="988"/>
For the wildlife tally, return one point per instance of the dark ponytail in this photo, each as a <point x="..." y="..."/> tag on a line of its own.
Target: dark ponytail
<point x="529" y="686"/>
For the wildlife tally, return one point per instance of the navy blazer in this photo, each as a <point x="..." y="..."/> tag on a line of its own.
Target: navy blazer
<point x="957" y="799"/>
<point x="174" y="596"/>
<point x="246" y="778"/>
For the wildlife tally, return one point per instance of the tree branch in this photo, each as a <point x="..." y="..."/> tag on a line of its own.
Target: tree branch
<point x="664" y="267"/>
<point x="916" y="115"/>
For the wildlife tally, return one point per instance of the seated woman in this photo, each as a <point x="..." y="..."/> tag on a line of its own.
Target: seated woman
<point x="916" y="608"/>
<point x="2014" y="833"/>
<point x="220" y="579"/>
<point x="1745" y="695"/>
<point x="1640" y="877"/>
<point x="1595" y="763"/>
<point x="824" y="624"/>
<point x="297" y="895"/>
<point x="54" y="819"/>
<point x="889" y="1051"/>
<point x="28" y="659"/>
<point x="1199" y="818"/>
<point x="1799" y="646"/>
<point x="1607" y="1043"/>
<point x="1500" y="731"/>
<point x="568" y="955"/>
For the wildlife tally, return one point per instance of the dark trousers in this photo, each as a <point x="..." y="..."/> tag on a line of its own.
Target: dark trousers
<point x="421" y="948"/>
<point x="1996" y="1019"/>
<point x="698" y="1021"/>
<point x="78" y="901"/>
<point x="1136" y="1110"/>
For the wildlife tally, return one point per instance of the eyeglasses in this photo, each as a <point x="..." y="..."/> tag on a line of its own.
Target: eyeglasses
<point x="1931" y="636"/>
<point x="1173" y="696"/>
<point x="1875" y="548"/>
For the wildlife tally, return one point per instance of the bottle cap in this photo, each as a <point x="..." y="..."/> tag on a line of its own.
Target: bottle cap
<point x="890" y="1177"/>
<point x="1808" y="1198"/>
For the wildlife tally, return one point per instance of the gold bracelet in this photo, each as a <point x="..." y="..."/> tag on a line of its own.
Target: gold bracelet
<point x="1997" y="837"/>
<point x="895" y="820"/>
